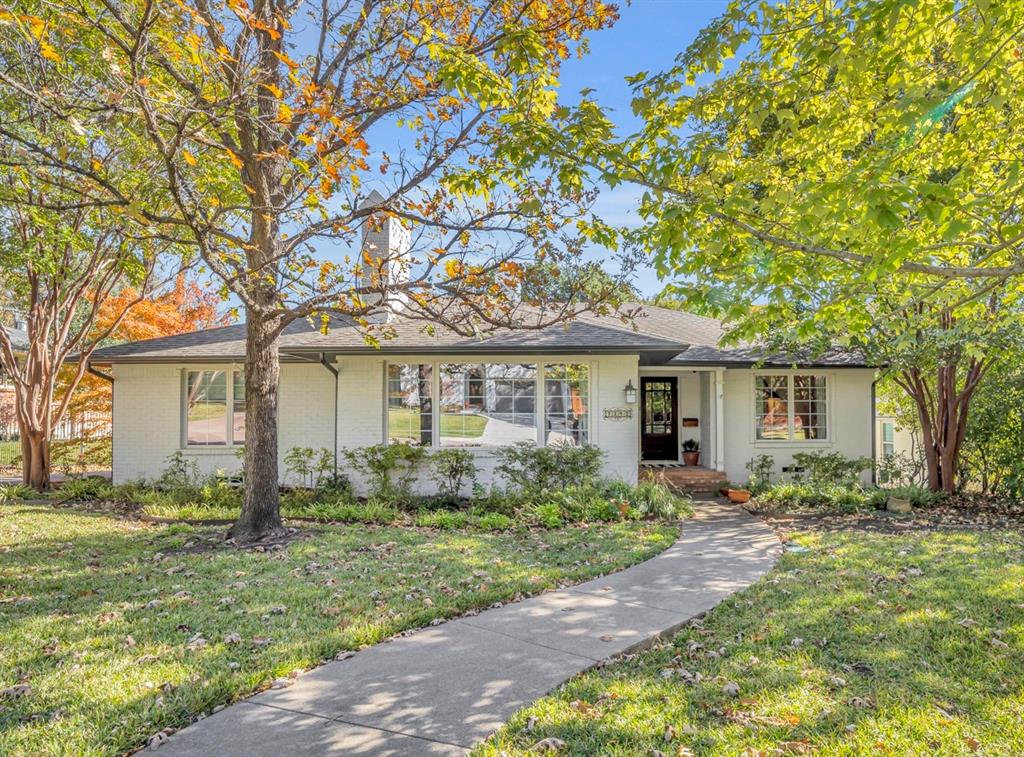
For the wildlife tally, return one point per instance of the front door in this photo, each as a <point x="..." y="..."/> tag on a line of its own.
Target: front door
<point x="659" y="435"/>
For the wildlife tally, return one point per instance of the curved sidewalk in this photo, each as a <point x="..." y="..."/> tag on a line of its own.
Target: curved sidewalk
<point x="440" y="690"/>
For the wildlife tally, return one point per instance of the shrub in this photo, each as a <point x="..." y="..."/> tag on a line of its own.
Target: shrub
<point x="493" y="522"/>
<point x="761" y="468"/>
<point x="181" y="471"/>
<point x="451" y="469"/>
<point x="548" y="515"/>
<point x="87" y="488"/>
<point x="919" y="496"/>
<point x="830" y="467"/>
<point x="534" y="470"/>
<point x="388" y="468"/>
<point x="445" y="520"/>
<point x="12" y="493"/>
<point x="343" y="511"/>
<point x="313" y="467"/>
<point x="494" y="499"/>
<point x="652" y="499"/>
<point x="810" y="494"/>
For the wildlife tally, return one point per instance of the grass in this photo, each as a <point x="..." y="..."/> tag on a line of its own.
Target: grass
<point x="866" y="644"/>
<point x="102" y="617"/>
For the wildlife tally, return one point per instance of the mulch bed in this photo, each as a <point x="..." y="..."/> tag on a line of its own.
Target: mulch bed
<point x="963" y="513"/>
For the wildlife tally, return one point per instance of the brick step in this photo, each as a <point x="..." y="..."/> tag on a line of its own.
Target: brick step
<point x="689" y="479"/>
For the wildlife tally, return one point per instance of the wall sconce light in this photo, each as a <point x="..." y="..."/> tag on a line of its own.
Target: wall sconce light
<point x="630" y="393"/>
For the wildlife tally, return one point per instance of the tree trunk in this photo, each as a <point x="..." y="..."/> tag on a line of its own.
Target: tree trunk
<point x="35" y="459"/>
<point x="261" y="515"/>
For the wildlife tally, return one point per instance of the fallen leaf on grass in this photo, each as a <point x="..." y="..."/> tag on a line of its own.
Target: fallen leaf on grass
<point x="550" y="744"/>
<point x="16" y="692"/>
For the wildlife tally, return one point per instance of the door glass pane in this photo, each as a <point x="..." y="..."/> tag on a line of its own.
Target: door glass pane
<point x="659" y="413"/>
<point x="206" y="407"/>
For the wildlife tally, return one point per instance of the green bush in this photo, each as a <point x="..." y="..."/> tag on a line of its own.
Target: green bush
<point x="86" y="489"/>
<point x="919" y="496"/>
<point x="493" y="522"/>
<point x="814" y="495"/>
<point x="343" y="511"/>
<point x="450" y="470"/>
<point x="446" y="520"/>
<point x="535" y="470"/>
<point x="181" y="471"/>
<point x="548" y="515"/>
<point x="495" y="500"/>
<point x="11" y="493"/>
<point x="830" y="467"/>
<point x="389" y="469"/>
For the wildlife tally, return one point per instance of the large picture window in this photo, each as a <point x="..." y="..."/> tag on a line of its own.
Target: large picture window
<point x="410" y="409"/>
<point x="208" y="397"/>
<point x="566" y="403"/>
<point x="790" y="407"/>
<point x="488" y="404"/>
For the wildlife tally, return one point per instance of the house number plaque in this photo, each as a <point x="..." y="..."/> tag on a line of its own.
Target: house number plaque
<point x="618" y="413"/>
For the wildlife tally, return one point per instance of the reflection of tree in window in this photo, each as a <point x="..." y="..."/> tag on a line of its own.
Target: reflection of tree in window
<point x="206" y="409"/>
<point x="809" y="407"/>
<point x="487" y="404"/>
<point x="772" y="407"/>
<point x="566" y="403"/>
<point x="410" y="406"/>
<point x="238" y="408"/>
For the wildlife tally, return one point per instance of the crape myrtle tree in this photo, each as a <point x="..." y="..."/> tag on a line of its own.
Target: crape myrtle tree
<point x="846" y="169"/>
<point x="272" y="121"/>
<point x="62" y="254"/>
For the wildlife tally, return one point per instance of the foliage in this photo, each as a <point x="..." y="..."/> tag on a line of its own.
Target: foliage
<point x="12" y="493"/>
<point x="919" y="496"/>
<point x="181" y="471"/>
<point x="534" y="470"/>
<point x="313" y="467"/>
<point x="993" y="455"/>
<point x="86" y="489"/>
<point x="898" y="469"/>
<point x="389" y="469"/>
<point x="451" y="469"/>
<point x="830" y="467"/>
<point x="834" y="653"/>
<point x="814" y="495"/>
<point x="652" y="499"/>
<point x="339" y="588"/>
<point x="761" y="468"/>
<point x="691" y="445"/>
<point x="267" y="133"/>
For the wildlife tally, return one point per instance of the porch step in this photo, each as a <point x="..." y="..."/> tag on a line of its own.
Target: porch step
<point x="689" y="479"/>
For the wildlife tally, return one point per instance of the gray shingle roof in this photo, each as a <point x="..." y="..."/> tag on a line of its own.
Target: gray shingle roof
<point x="659" y="335"/>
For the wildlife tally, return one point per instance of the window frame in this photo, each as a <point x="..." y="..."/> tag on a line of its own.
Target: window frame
<point x="790" y="375"/>
<point x="230" y="444"/>
<point x="539" y="361"/>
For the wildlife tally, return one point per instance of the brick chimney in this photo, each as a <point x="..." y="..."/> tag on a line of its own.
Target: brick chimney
<point x="386" y="243"/>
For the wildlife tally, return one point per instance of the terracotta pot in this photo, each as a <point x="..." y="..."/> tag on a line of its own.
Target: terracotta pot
<point x="691" y="458"/>
<point x="739" y="496"/>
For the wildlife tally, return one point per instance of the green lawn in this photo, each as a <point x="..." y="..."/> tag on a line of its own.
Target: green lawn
<point x="119" y="629"/>
<point x="467" y="426"/>
<point x="867" y="644"/>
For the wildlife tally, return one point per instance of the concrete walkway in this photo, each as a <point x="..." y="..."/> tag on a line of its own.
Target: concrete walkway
<point x="443" y="689"/>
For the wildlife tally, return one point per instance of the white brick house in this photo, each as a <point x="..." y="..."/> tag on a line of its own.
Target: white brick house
<point x="636" y="391"/>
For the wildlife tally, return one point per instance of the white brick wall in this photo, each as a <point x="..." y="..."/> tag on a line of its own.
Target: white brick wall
<point x="147" y="417"/>
<point x="849" y="419"/>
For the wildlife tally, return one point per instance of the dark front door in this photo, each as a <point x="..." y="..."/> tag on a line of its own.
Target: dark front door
<point x="659" y="436"/>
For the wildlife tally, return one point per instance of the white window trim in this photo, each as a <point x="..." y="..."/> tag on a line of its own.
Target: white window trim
<point x="540" y="409"/>
<point x="230" y="444"/>
<point x="789" y="373"/>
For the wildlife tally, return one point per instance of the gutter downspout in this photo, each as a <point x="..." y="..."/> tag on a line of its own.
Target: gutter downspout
<point x="334" y="372"/>
<point x="874" y="431"/>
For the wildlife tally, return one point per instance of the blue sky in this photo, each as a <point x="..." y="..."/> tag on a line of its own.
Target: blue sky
<point x="647" y="37"/>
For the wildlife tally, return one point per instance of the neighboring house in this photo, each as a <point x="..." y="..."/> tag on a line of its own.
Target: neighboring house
<point x="892" y="440"/>
<point x="637" y="391"/>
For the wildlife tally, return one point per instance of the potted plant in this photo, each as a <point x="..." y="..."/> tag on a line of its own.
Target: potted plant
<point x="737" y="495"/>
<point x="691" y="452"/>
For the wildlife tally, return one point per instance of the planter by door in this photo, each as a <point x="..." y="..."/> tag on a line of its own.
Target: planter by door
<point x="659" y="433"/>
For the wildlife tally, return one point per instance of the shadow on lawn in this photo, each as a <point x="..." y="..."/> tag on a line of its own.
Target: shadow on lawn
<point x="925" y="631"/>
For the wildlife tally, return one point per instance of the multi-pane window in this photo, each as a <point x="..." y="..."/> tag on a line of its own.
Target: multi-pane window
<point x="208" y="395"/>
<point x="487" y="404"/>
<point x="410" y="409"/>
<point x="790" y="407"/>
<point x="566" y="403"/>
